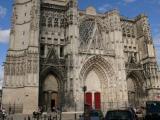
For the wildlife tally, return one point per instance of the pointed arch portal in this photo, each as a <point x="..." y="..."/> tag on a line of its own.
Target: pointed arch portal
<point x="51" y="92"/>
<point x="95" y="74"/>
<point x="136" y="93"/>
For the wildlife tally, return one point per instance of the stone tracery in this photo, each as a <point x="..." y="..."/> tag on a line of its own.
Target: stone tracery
<point x="101" y="65"/>
<point x="91" y="37"/>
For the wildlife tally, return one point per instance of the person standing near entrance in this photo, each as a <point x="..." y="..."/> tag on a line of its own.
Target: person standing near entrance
<point x="40" y="110"/>
<point x="4" y="115"/>
<point x="54" y="109"/>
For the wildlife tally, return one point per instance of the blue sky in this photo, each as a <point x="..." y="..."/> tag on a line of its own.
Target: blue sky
<point x="129" y="8"/>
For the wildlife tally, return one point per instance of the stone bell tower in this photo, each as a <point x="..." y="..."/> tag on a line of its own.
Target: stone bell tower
<point x="21" y="69"/>
<point x="148" y="57"/>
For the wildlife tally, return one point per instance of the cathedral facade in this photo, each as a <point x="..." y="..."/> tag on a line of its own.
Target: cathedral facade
<point x="60" y="56"/>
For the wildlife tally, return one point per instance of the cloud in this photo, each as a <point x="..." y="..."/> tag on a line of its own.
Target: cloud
<point x="105" y="7"/>
<point x="129" y="1"/>
<point x="4" y="36"/>
<point x="3" y="11"/>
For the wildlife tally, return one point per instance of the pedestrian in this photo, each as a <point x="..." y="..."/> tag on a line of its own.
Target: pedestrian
<point x="3" y="113"/>
<point x="53" y="109"/>
<point x="40" y="110"/>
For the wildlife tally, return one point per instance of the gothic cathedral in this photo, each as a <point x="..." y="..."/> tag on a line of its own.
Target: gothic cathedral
<point x="57" y="50"/>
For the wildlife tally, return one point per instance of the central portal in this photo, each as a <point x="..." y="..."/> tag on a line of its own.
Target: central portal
<point x="50" y="93"/>
<point x="93" y="93"/>
<point x="95" y="74"/>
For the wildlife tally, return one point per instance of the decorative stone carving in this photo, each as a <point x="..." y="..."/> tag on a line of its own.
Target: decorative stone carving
<point x="34" y="17"/>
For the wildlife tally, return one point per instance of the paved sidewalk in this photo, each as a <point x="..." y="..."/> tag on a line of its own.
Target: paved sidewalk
<point x="64" y="116"/>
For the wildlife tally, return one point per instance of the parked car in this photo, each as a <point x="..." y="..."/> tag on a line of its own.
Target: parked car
<point x="124" y="114"/>
<point x="152" y="110"/>
<point x="93" y="115"/>
<point x="96" y="115"/>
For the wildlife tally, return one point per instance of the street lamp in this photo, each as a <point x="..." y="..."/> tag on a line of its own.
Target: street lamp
<point x="84" y="90"/>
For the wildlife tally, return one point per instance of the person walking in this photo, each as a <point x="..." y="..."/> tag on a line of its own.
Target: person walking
<point x="4" y="115"/>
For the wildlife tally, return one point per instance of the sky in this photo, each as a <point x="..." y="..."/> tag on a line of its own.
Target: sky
<point x="128" y="8"/>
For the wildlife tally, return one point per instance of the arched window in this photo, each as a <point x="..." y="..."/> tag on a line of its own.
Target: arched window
<point x="43" y="22"/>
<point x="49" y="22"/>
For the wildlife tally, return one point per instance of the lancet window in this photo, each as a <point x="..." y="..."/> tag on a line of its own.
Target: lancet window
<point x="86" y="30"/>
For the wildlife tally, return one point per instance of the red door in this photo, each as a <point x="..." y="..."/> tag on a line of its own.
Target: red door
<point x="88" y="99"/>
<point x="97" y="99"/>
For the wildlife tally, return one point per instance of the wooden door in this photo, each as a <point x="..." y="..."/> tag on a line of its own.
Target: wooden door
<point x="88" y="99"/>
